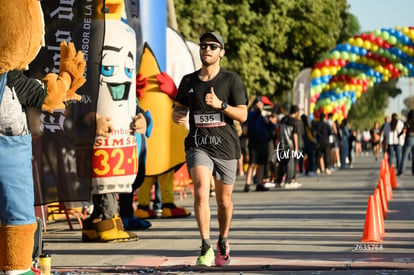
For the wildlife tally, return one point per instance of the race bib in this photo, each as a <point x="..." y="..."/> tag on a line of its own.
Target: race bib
<point x="208" y="120"/>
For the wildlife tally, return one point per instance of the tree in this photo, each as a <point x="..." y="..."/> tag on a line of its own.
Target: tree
<point x="268" y="42"/>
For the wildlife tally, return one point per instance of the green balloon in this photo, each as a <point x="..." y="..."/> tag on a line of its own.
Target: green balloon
<point x="344" y="55"/>
<point x="335" y="54"/>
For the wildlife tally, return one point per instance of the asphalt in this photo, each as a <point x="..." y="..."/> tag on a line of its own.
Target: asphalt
<point x="315" y="229"/>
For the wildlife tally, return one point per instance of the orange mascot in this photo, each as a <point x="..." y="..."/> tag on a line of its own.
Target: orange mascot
<point x="22" y="36"/>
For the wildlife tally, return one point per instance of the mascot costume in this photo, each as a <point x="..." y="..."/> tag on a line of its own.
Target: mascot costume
<point x="22" y="33"/>
<point x="156" y="91"/>
<point x="120" y="126"/>
<point x="165" y="146"/>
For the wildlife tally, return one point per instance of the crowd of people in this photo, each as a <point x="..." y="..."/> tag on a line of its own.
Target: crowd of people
<point x="278" y="146"/>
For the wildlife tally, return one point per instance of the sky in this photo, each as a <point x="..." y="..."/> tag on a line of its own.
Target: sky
<point x="377" y="14"/>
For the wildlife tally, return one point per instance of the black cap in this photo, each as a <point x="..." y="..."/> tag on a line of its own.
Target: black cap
<point x="214" y="35"/>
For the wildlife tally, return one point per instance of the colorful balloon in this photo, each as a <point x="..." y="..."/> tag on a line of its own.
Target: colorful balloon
<point x="352" y="67"/>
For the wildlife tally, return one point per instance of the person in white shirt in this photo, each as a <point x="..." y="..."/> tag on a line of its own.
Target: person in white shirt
<point x="394" y="139"/>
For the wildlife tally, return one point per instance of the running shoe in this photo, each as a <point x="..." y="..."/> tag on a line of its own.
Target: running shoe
<point x="223" y="257"/>
<point x="206" y="257"/>
<point x="293" y="185"/>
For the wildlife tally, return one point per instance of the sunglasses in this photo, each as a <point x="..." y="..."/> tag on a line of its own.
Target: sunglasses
<point x="212" y="46"/>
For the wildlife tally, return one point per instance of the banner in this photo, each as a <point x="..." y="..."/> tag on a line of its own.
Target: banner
<point x="57" y="136"/>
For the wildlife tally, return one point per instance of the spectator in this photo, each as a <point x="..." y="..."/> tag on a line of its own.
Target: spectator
<point x="322" y="131"/>
<point x="271" y="166"/>
<point x="333" y="143"/>
<point x="382" y="141"/>
<point x="375" y="139"/>
<point x="394" y="139"/>
<point x="259" y="129"/>
<point x="358" y="146"/>
<point x="244" y="140"/>
<point x="365" y="141"/>
<point x="344" y="142"/>
<point x="300" y="162"/>
<point x="351" y="142"/>
<point x="408" y="144"/>
<point x="309" y="146"/>
<point x="287" y="151"/>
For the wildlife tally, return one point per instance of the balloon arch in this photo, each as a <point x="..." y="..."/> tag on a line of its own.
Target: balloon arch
<point x="349" y="69"/>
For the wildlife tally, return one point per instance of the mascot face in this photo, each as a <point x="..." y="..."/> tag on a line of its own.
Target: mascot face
<point x="116" y="97"/>
<point x="118" y="62"/>
<point x="22" y="33"/>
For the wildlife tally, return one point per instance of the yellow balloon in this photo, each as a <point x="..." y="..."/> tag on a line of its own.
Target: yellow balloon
<point x="374" y="47"/>
<point x="340" y="117"/>
<point x="359" y="42"/>
<point x="325" y="71"/>
<point x="367" y="44"/>
<point x="358" y="94"/>
<point x="327" y="109"/>
<point x="379" y="69"/>
<point x="337" y="116"/>
<point x="405" y="30"/>
<point x="311" y="107"/>
<point x="316" y="73"/>
<point x="411" y="34"/>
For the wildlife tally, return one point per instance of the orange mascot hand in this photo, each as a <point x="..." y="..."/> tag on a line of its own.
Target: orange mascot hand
<point x="167" y="84"/>
<point x="56" y="91"/>
<point x="62" y="87"/>
<point x="74" y="64"/>
<point x="141" y="83"/>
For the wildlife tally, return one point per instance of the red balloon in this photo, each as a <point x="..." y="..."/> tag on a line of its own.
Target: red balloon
<point x="371" y="37"/>
<point x="389" y="67"/>
<point x="380" y="41"/>
<point x="342" y="62"/>
<point x="325" y="63"/>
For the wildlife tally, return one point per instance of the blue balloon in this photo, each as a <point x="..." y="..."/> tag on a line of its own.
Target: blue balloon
<point x="347" y="47"/>
<point x="326" y="78"/>
<point x="316" y="81"/>
<point x="354" y="49"/>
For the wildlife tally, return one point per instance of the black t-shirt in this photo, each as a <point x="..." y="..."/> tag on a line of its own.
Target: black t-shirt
<point x="210" y="129"/>
<point x="323" y="131"/>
